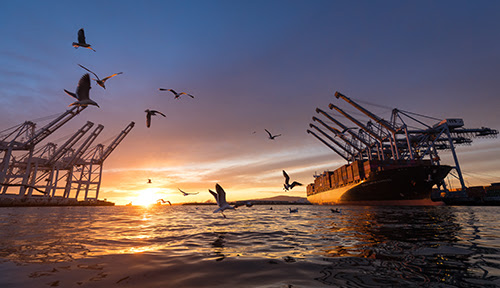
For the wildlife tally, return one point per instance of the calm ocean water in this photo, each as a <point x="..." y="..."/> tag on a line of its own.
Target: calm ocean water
<point x="189" y="246"/>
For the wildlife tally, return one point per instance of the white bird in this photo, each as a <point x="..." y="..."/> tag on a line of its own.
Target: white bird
<point x="287" y="186"/>
<point x="177" y="95"/>
<point x="293" y="210"/>
<point x="100" y="81"/>
<point x="186" y="194"/>
<point x="82" y="92"/>
<point x="220" y="197"/>
<point x="81" y="41"/>
<point x="272" y="136"/>
<point x="148" y="116"/>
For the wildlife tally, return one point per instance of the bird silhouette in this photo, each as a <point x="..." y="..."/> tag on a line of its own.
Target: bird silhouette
<point x="287" y="186"/>
<point x="272" y="136"/>
<point x="293" y="210"/>
<point x="177" y="95"/>
<point x="148" y="116"/>
<point x="100" y="82"/>
<point x="81" y="41"/>
<point x="82" y="92"/>
<point x="159" y="201"/>
<point x="149" y="181"/>
<point x="186" y="194"/>
<point x="220" y="197"/>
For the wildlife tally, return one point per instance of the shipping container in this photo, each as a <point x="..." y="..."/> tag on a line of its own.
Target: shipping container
<point x="310" y="189"/>
<point x="350" y="176"/>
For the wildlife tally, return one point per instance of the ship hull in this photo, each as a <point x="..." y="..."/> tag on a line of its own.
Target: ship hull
<point x="401" y="186"/>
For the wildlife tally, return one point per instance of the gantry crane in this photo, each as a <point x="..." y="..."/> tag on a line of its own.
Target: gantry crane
<point x="394" y="140"/>
<point x="53" y="171"/>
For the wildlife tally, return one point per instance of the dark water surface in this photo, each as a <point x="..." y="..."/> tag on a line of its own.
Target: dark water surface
<point x="189" y="246"/>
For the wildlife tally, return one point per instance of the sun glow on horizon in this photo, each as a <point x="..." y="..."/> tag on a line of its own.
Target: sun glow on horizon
<point x="146" y="197"/>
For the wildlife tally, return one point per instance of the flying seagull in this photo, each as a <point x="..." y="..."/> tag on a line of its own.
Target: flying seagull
<point x="287" y="186"/>
<point x="100" y="81"/>
<point x="220" y="197"/>
<point x="82" y="92"/>
<point x="177" y="95"/>
<point x="186" y="194"/>
<point x="81" y="41"/>
<point x="159" y="201"/>
<point x="272" y="136"/>
<point x="148" y="115"/>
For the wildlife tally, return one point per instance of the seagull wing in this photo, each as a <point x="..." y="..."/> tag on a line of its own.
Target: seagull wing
<point x="287" y="178"/>
<point x="173" y="91"/>
<point x="184" y="93"/>
<point x="185" y="194"/>
<point x="216" y="196"/>
<point x="154" y="112"/>
<point x="295" y="183"/>
<point x="83" y="88"/>
<point x="221" y="193"/>
<point x="148" y="119"/>
<point x="71" y="94"/>
<point x="104" y="80"/>
<point x="89" y="71"/>
<point x="81" y="36"/>
<point x="162" y="89"/>
<point x="277" y="135"/>
<point x="270" y="136"/>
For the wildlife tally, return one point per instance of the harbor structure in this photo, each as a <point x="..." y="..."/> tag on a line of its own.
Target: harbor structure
<point x="389" y="162"/>
<point x="32" y="174"/>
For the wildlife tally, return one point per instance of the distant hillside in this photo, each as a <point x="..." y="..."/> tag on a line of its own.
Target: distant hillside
<point x="282" y="198"/>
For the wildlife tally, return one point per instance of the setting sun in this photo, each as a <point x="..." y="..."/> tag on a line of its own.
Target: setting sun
<point x="146" y="197"/>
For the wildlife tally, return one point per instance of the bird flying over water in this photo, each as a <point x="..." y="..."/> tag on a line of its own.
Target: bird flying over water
<point x="82" y="92"/>
<point x="103" y="80"/>
<point x="159" y="201"/>
<point x="293" y="210"/>
<point x="81" y="41"/>
<point x="148" y="115"/>
<point x="287" y="186"/>
<point x="186" y="194"/>
<point x="177" y="95"/>
<point x="220" y="197"/>
<point x="272" y="136"/>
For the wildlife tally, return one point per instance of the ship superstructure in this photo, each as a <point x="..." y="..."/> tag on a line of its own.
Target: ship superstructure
<point x="70" y="173"/>
<point x="388" y="162"/>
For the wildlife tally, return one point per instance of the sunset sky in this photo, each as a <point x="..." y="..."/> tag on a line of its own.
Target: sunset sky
<point x="251" y="65"/>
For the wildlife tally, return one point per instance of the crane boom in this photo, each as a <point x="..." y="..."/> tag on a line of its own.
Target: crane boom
<point x="117" y="141"/>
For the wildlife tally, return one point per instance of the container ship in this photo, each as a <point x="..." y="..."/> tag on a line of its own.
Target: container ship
<point x="388" y="163"/>
<point x="378" y="183"/>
